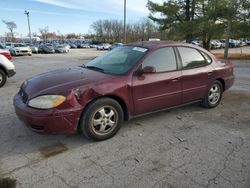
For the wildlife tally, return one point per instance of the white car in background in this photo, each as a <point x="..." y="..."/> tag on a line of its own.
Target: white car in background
<point x="20" y="49"/>
<point x="7" y="69"/>
<point x="104" y="46"/>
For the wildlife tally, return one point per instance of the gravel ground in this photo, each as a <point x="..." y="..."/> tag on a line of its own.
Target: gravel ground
<point x="185" y="147"/>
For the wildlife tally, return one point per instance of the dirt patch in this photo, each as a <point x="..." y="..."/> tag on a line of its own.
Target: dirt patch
<point x="234" y="56"/>
<point x="7" y="183"/>
<point x="52" y="150"/>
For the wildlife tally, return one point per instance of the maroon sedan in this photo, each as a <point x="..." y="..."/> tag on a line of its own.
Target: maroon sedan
<point x="126" y="82"/>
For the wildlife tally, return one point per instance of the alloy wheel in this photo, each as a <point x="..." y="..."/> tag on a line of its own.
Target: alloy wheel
<point x="104" y="120"/>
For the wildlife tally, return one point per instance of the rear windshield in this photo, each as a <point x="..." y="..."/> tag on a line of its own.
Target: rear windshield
<point x="19" y="45"/>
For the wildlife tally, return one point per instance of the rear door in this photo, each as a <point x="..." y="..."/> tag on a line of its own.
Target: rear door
<point x="154" y="91"/>
<point x="197" y="73"/>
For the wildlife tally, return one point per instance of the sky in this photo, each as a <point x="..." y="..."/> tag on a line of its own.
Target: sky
<point x="67" y="16"/>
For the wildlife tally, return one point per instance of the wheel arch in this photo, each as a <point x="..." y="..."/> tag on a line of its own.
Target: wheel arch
<point x="222" y="83"/>
<point x="4" y="69"/>
<point x="114" y="97"/>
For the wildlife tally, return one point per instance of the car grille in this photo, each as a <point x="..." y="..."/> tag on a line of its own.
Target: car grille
<point x="24" y="51"/>
<point x="23" y="95"/>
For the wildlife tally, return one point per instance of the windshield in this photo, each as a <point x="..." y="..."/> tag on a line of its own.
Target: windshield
<point x="117" y="61"/>
<point x="19" y="45"/>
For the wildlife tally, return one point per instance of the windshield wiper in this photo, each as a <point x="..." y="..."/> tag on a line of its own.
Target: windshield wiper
<point x="94" y="68"/>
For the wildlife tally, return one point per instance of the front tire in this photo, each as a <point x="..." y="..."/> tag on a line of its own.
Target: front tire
<point x="213" y="96"/>
<point x="101" y="119"/>
<point x="3" y="78"/>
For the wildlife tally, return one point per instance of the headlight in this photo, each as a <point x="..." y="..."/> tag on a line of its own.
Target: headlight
<point x="46" y="101"/>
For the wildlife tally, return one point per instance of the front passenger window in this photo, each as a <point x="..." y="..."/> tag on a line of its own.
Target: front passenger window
<point x="162" y="59"/>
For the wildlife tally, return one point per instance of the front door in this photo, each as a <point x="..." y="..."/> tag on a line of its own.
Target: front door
<point x="162" y="89"/>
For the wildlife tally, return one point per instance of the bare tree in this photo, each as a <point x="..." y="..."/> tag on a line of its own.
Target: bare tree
<point x="72" y="36"/>
<point x="44" y="32"/>
<point x="11" y="26"/>
<point x="112" y="30"/>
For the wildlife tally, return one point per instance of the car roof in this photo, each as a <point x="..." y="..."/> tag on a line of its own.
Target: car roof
<point x="153" y="45"/>
<point x="158" y="44"/>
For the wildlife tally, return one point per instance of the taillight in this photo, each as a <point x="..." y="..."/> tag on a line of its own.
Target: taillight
<point x="7" y="55"/>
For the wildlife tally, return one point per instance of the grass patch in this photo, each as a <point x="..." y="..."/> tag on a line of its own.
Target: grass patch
<point x="234" y="56"/>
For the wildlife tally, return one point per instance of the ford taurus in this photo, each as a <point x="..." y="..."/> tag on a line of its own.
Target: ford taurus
<point x="123" y="83"/>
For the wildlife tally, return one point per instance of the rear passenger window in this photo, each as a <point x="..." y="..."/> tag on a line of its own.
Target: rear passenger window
<point x="162" y="59"/>
<point x="191" y="58"/>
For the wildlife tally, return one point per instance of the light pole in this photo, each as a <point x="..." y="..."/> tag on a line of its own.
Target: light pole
<point x="28" y="18"/>
<point x="124" y="26"/>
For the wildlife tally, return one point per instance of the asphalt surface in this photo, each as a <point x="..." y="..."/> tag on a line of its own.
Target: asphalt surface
<point x="186" y="147"/>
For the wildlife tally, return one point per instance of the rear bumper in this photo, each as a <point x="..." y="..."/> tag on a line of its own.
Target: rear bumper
<point x="52" y="121"/>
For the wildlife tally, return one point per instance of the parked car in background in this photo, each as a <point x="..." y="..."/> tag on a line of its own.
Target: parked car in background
<point x="104" y="46"/>
<point x="115" y="45"/>
<point x="5" y="52"/>
<point x="34" y="49"/>
<point x="215" y="44"/>
<point x="7" y="69"/>
<point x="20" y="49"/>
<point x="123" y="83"/>
<point x="220" y="44"/>
<point x="223" y="42"/>
<point x="67" y="46"/>
<point x="8" y="45"/>
<point x="46" y="48"/>
<point x="72" y="45"/>
<point x="85" y="45"/>
<point x="247" y="41"/>
<point x="61" y="49"/>
<point x="93" y="46"/>
<point x="234" y="43"/>
<point x="197" y="43"/>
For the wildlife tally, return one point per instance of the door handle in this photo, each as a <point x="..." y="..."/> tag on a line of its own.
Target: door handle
<point x="175" y="79"/>
<point x="209" y="73"/>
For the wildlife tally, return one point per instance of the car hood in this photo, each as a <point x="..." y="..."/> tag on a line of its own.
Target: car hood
<point x="21" y="48"/>
<point x="61" y="81"/>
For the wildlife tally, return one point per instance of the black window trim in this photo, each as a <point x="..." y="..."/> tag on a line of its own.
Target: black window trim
<point x="201" y="52"/>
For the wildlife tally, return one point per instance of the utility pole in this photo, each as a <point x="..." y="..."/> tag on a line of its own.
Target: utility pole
<point x="124" y="26"/>
<point x="229" y="26"/>
<point x="28" y="18"/>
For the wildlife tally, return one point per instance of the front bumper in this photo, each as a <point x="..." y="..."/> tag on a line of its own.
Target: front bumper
<point x="11" y="72"/>
<point x="51" y="121"/>
<point x="23" y="52"/>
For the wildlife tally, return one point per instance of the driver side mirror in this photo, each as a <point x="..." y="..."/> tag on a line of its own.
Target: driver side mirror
<point x="146" y="70"/>
<point x="149" y="69"/>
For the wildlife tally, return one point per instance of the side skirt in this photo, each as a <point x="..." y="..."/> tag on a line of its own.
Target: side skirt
<point x="164" y="109"/>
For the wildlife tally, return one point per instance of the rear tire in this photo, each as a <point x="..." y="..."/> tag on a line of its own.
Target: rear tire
<point x="3" y="78"/>
<point x="101" y="119"/>
<point x="213" y="96"/>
